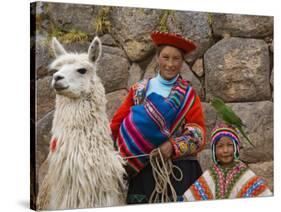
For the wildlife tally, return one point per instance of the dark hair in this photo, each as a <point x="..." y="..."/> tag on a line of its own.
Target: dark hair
<point x="161" y="47"/>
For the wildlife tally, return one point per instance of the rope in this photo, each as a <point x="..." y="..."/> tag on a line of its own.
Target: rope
<point x="161" y="171"/>
<point x="136" y="156"/>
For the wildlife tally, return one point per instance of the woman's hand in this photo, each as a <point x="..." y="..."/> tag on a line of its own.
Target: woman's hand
<point x="166" y="150"/>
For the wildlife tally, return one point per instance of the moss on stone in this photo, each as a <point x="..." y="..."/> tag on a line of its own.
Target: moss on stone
<point x="210" y="19"/>
<point x="163" y="23"/>
<point x="102" y="23"/>
<point x="73" y="35"/>
<point x="38" y="22"/>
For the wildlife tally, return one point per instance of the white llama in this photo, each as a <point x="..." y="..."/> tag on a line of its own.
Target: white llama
<point x="84" y="169"/>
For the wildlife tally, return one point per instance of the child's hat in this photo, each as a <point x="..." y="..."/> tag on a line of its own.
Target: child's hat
<point x="173" y="39"/>
<point x="223" y="130"/>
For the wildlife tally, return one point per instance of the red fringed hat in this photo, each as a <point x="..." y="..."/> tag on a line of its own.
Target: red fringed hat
<point x="173" y="39"/>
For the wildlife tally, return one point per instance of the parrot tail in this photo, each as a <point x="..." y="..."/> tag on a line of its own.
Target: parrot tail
<point x="245" y="136"/>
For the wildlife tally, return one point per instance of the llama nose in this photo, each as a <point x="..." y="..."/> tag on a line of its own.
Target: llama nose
<point x="58" y="77"/>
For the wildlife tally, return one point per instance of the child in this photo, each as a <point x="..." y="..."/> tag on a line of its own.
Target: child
<point x="228" y="177"/>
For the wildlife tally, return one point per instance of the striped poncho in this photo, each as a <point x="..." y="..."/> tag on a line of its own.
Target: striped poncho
<point x="152" y="123"/>
<point x="227" y="183"/>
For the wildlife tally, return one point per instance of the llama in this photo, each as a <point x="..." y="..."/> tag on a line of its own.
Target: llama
<point x="84" y="169"/>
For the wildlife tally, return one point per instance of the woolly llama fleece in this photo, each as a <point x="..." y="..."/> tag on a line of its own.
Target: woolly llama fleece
<point x="84" y="169"/>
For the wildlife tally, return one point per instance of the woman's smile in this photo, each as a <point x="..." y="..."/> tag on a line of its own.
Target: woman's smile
<point x="170" y="61"/>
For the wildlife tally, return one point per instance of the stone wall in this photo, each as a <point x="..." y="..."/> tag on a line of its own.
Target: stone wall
<point x="234" y="61"/>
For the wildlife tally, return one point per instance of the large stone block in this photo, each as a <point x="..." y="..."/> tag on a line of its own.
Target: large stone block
<point x="132" y="28"/>
<point x="73" y="16"/>
<point x="135" y="75"/>
<point x="237" y="25"/>
<point x="42" y="55"/>
<point x="258" y="118"/>
<point x="195" y="26"/>
<point x="238" y="70"/>
<point x="114" y="100"/>
<point x="43" y="137"/>
<point x="113" y="69"/>
<point x="210" y="120"/>
<point x="45" y="101"/>
<point x="198" y="68"/>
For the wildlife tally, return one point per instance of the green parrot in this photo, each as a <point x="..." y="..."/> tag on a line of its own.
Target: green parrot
<point x="229" y="116"/>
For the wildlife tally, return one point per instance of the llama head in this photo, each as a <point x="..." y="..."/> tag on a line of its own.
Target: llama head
<point x="74" y="73"/>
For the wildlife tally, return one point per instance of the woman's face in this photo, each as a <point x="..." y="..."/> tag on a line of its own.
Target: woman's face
<point x="225" y="151"/>
<point x="170" y="61"/>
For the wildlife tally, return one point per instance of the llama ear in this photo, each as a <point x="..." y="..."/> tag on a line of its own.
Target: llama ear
<point x="57" y="47"/>
<point x="94" y="51"/>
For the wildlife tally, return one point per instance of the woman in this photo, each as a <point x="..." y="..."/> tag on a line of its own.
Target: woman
<point x="228" y="177"/>
<point x="162" y="112"/>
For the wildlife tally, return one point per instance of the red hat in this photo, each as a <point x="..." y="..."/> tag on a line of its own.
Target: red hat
<point x="173" y="39"/>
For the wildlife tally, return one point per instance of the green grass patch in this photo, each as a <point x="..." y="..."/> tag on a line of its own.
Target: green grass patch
<point x="102" y="23"/>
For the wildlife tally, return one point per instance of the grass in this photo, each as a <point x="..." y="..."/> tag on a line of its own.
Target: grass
<point x="210" y="19"/>
<point x="102" y="23"/>
<point x="65" y="37"/>
<point x="73" y="35"/>
<point x="163" y="23"/>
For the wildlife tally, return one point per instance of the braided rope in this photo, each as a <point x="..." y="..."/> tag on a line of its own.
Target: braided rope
<point x="162" y="170"/>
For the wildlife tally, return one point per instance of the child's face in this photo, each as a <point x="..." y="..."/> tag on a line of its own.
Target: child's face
<point x="224" y="151"/>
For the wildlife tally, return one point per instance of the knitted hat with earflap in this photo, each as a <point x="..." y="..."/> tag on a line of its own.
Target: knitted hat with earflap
<point x="223" y="130"/>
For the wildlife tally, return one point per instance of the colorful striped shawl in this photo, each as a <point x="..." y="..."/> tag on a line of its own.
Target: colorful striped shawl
<point x="152" y="123"/>
<point x="237" y="182"/>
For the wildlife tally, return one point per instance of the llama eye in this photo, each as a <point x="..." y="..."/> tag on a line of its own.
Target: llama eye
<point x="82" y="70"/>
